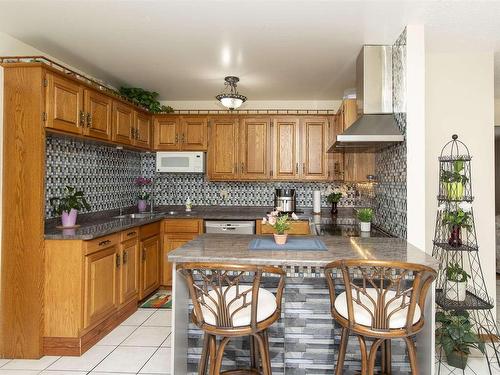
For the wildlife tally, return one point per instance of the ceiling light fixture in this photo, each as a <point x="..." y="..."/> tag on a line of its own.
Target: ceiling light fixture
<point x="230" y="97"/>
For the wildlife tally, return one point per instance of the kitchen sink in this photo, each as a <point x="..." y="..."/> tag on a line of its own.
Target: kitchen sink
<point x="144" y="215"/>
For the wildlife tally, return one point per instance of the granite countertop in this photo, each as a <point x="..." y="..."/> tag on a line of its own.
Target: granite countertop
<point x="93" y="225"/>
<point x="234" y="249"/>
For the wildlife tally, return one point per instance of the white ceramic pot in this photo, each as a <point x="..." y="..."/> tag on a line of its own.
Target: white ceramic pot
<point x="365" y="227"/>
<point x="456" y="291"/>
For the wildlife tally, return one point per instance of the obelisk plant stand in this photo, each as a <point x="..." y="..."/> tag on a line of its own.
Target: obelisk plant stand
<point x="455" y="246"/>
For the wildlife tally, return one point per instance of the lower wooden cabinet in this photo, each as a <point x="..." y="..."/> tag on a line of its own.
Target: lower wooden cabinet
<point x="300" y="227"/>
<point x="176" y="233"/>
<point x="150" y="259"/>
<point x="129" y="270"/>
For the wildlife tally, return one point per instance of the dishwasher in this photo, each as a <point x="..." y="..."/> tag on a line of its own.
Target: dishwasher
<point x="230" y="227"/>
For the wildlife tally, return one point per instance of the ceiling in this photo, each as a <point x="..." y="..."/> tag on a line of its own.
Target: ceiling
<point x="286" y="50"/>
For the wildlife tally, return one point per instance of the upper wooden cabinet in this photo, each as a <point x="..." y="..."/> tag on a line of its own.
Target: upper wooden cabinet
<point x="254" y="144"/>
<point x="314" y="144"/>
<point x="180" y="133"/>
<point x="357" y="166"/>
<point x="123" y="123"/>
<point x="223" y="149"/>
<point x="64" y="104"/>
<point x="286" y="147"/>
<point x="98" y="111"/>
<point x="141" y="132"/>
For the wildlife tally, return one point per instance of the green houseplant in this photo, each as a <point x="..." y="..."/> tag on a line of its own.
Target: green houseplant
<point x="365" y="217"/>
<point x="280" y="223"/>
<point x="454" y="180"/>
<point x="147" y="99"/>
<point x="456" y="282"/>
<point x="333" y="196"/>
<point x="456" y="220"/>
<point x="455" y="336"/>
<point x="68" y="205"/>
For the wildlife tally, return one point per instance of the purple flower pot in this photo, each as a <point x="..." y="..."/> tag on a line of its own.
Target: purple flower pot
<point x="69" y="218"/>
<point x="141" y="205"/>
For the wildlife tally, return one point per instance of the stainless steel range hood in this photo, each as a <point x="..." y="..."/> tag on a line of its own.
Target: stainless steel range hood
<point x="376" y="127"/>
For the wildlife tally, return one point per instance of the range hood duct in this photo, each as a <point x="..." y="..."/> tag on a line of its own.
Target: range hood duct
<point x="376" y="127"/>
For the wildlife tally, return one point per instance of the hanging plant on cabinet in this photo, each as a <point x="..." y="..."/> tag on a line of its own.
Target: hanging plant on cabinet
<point x="144" y="98"/>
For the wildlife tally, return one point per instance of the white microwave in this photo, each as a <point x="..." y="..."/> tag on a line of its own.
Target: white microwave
<point x="180" y="162"/>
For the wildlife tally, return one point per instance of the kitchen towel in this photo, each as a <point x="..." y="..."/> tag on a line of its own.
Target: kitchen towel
<point x="317" y="201"/>
<point x="292" y="243"/>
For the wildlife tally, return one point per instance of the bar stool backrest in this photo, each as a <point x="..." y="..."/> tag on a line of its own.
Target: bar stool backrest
<point x="222" y="290"/>
<point x="381" y="288"/>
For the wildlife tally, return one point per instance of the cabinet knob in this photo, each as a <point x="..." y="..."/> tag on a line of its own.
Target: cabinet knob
<point x="125" y="257"/>
<point x="118" y="260"/>
<point x="82" y="119"/>
<point x="89" y="120"/>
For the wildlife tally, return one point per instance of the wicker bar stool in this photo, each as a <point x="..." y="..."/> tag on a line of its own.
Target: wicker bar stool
<point x="226" y="306"/>
<point x="382" y="300"/>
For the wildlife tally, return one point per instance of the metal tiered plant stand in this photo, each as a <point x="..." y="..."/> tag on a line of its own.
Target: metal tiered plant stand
<point x="455" y="246"/>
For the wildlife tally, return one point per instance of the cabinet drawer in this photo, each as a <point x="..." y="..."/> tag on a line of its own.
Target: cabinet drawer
<point x="100" y="243"/>
<point x="183" y="226"/>
<point x="129" y="234"/>
<point x="149" y="230"/>
<point x="296" y="228"/>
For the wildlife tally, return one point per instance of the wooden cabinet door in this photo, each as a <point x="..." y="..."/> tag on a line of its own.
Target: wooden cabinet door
<point x="223" y="149"/>
<point x="194" y="134"/>
<point x="170" y="243"/>
<point x="150" y="267"/>
<point x="98" y="110"/>
<point x="285" y="148"/>
<point x="129" y="271"/>
<point x="314" y="164"/>
<point x="357" y="165"/>
<point x="254" y="137"/>
<point x="166" y="133"/>
<point x="123" y="123"/>
<point x="142" y="130"/>
<point x="100" y="297"/>
<point x="64" y="105"/>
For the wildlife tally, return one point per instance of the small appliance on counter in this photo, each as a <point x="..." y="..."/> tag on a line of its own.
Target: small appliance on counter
<point x="285" y="199"/>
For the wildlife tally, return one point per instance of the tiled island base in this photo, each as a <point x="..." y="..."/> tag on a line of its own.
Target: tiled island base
<point x="305" y="340"/>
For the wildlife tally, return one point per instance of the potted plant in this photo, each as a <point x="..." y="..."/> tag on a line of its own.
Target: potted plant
<point x="143" y="196"/>
<point x="454" y="180"/>
<point x="280" y="223"/>
<point x="68" y="205"/>
<point x="456" y="282"/>
<point x="455" y="336"/>
<point x="333" y="196"/>
<point x="456" y="220"/>
<point x="365" y="216"/>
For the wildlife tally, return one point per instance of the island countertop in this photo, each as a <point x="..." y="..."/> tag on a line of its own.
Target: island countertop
<point x="222" y="248"/>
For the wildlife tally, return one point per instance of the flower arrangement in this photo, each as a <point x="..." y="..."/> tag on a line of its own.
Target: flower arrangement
<point x="141" y="182"/>
<point x="280" y="223"/>
<point x="69" y="204"/>
<point x="333" y="195"/>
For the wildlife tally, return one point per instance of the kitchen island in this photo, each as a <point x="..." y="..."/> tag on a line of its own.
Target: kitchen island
<point x="305" y="339"/>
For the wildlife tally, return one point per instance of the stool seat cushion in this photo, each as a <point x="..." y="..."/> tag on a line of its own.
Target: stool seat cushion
<point x="363" y="317"/>
<point x="266" y="306"/>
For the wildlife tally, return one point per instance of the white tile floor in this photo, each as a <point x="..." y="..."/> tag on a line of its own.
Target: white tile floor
<point x="140" y="345"/>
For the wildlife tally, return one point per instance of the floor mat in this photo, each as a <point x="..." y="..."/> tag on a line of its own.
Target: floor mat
<point x="159" y="300"/>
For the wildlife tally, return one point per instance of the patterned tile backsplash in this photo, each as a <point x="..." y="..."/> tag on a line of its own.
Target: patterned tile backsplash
<point x="106" y="175"/>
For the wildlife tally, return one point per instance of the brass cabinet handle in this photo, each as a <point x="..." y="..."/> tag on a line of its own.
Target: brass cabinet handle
<point x="117" y="260"/>
<point x="242" y="167"/>
<point x="105" y="242"/>
<point x="297" y="168"/>
<point x="183" y="138"/>
<point x="131" y="233"/>
<point x="125" y="257"/>
<point x="89" y="120"/>
<point x="176" y="138"/>
<point x="304" y="168"/>
<point x="82" y="119"/>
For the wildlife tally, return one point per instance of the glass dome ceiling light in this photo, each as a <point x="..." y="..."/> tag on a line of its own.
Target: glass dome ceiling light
<point x="230" y="97"/>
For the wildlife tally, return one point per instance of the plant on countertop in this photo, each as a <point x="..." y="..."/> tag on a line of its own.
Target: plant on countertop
<point x="456" y="338"/>
<point x="72" y="199"/>
<point x="141" y="182"/>
<point x="280" y="223"/>
<point x="333" y="195"/>
<point x="144" y="98"/>
<point x="365" y="215"/>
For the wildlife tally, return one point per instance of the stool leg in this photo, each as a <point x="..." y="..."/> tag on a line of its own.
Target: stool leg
<point x="254" y="354"/>
<point x="266" y="343"/>
<point x="364" y="355"/>
<point x="220" y="355"/>
<point x="373" y="355"/>
<point x="386" y="357"/>
<point x="202" y="365"/>
<point x="212" y="350"/>
<point x="264" y="353"/>
<point x="342" y="348"/>
<point x="412" y="354"/>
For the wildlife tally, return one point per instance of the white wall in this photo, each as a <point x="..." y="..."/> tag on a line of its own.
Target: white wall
<point x="460" y="100"/>
<point x="256" y="104"/>
<point x="497" y="111"/>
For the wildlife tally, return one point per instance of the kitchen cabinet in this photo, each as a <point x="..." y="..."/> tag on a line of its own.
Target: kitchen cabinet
<point x="97" y="115"/>
<point x="254" y="144"/>
<point x="357" y="165"/>
<point x="223" y="149"/>
<point x="100" y="297"/>
<point x="177" y="232"/>
<point x="336" y="159"/>
<point x="297" y="228"/>
<point x="123" y="123"/>
<point x="64" y="104"/>
<point x="141" y="132"/>
<point x="129" y="267"/>
<point x="314" y="138"/>
<point x="150" y="259"/>
<point x="286" y="147"/>
<point x="180" y="133"/>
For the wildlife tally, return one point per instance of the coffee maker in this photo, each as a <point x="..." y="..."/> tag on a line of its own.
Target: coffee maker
<point x="285" y="199"/>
